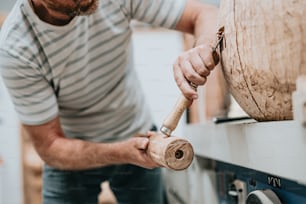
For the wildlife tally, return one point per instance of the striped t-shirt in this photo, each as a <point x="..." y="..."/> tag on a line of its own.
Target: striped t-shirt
<point x="82" y="72"/>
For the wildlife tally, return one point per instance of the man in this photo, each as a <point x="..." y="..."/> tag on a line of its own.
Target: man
<point x="67" y="65"/>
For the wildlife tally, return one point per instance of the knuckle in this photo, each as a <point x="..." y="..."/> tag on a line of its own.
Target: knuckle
<point x="197" y="66"/>
<point x="204" y="72"/>
<point x="208" y="61"/>
<point x="204" y="47"/>
<point x="192" y="51"/>
<point x="200" y="81"/>
<point x="210" y="65"/>
<point x="189" y="76"/>
<point x="199" y="49"/>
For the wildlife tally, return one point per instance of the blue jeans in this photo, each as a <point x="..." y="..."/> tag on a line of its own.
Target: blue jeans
<point x="130" y="184"/>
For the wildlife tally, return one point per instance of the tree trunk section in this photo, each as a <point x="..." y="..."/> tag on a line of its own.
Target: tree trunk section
<point x="264" y="51"/>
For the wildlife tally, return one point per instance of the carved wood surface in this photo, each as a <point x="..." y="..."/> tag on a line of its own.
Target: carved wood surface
<point x="264" y="51"/>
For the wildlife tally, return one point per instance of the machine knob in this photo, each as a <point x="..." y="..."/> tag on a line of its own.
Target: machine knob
<point x="237" y="191"/>
<point x="262" y="197"/>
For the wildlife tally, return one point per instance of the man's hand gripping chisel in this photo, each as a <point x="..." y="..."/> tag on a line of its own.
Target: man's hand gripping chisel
<point x="173" y="118"/>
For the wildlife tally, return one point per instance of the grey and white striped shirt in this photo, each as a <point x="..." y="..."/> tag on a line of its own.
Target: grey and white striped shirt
<point x="82" y="71"/>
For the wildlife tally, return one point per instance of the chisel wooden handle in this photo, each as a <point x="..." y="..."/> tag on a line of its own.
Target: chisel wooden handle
<point x="173" y="118"/>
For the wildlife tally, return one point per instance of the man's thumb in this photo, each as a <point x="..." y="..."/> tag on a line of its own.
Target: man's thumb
<point x="142" y="143"/>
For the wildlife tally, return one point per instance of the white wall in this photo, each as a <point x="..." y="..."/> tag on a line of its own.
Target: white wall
<point x="154" y="54"/>
<point x="10" y="171"/>
<point x="6" y="5"/>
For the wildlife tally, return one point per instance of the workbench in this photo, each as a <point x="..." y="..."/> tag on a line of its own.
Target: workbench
<point x="274" y="147"/>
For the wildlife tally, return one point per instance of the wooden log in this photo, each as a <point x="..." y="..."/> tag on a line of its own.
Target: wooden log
<point x="170" y="152"/>
<point x="264" y="51"/>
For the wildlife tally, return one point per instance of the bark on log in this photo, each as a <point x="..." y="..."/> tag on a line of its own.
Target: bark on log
<point x="170" y="152"/>
<point x="264" y="51"/>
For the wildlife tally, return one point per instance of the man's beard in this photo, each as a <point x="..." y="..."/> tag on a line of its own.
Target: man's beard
<point x="88" y="9"/>
<point x="79" y="10"/>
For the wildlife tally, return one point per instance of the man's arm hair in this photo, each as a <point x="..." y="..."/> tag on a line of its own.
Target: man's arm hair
<point x="74" y="154"/>
<point x="200" y="20"/>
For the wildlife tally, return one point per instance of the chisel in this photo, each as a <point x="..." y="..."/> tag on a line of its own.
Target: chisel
<point x="170" y="123"/>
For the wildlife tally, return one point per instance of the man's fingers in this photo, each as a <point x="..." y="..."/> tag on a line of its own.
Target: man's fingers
<point x="150" y="133"/>
<point x="182" y="83"/>
<point x="190" y="73"/>
<point x="193" y="67"/>
<point x="206" y="55"/>
<point x="199" y="66"/>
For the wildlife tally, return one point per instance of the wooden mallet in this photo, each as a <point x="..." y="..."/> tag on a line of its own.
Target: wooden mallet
<point x="170" y="151"/>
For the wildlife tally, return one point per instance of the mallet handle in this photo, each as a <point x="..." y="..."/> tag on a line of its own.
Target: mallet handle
<point x="173" y="118"/>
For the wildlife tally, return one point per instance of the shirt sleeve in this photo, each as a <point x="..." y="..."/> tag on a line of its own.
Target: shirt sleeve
<point x="31" y="94"/>
<point x="162" y="13"/>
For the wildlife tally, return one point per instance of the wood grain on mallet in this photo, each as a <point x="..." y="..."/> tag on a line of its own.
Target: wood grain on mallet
<point x="170" y="152"/>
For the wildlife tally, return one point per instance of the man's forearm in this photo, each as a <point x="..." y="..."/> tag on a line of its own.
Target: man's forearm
<point x="206" y="26"/>
<point x="74" y="154"/>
